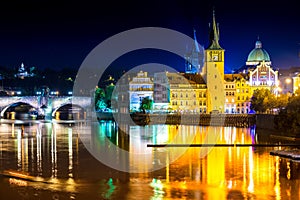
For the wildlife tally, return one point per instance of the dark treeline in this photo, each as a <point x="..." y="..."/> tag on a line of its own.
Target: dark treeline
<point x="57" y="80"/>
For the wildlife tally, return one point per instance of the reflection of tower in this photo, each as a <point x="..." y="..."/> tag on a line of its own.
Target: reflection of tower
<point x="194" y="59"/>
<point x="123" y="142"/>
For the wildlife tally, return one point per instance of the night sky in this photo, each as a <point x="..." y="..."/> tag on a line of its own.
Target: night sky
<point x="54" y="34"/>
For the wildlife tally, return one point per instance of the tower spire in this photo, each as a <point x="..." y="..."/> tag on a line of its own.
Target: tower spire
<point x="196" y="42"/>
<point x="214" y="34"/>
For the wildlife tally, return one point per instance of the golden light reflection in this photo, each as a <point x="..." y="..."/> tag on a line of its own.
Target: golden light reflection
<point x="70" y="143"/>
<point x="251" y="167"/>
<point x="39" y="152"/>
<point x="277" y="181"/>
<point x="288" y="174"/>
<point x="53" y="154"/>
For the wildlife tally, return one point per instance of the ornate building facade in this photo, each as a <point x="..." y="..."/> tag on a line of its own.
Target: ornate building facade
<point x="140" y="86"/>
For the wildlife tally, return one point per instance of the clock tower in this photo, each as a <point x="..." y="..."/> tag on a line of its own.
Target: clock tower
<point x="213" y="70"/>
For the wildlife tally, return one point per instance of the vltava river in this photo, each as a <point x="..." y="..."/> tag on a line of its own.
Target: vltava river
<point x="58" y="162"/>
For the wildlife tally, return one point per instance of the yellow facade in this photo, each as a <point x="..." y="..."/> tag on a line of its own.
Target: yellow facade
<point x="296" y="83"/>
<point x="214" y="76"/>
<point x="188" y="98"/>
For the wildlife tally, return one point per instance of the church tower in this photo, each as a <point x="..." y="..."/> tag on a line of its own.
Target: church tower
<point x="194" y="58"/>
<point x="213" y="70"/>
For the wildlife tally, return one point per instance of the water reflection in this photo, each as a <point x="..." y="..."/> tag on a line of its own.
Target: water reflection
<point x="59" y="165"/>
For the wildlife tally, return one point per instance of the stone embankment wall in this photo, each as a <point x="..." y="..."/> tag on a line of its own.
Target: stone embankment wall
<point x="265" y="121"/>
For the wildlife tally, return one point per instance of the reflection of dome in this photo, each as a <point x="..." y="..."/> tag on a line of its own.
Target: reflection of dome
<point x="258" y="54"/>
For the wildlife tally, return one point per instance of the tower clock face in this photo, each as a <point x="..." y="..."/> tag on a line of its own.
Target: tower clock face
<point x="215" y="57"/>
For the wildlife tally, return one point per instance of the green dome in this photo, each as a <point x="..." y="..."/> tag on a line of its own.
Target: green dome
<point x="258" y="54"/>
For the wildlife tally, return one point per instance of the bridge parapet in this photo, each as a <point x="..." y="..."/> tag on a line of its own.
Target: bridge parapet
<point x="55" y="102"/>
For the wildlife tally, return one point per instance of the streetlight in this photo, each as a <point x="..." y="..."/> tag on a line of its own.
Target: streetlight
<point x="288" y="80"/>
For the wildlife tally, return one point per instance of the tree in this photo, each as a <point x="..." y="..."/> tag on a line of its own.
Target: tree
<point x="263" y="100"/>
<point x="108" y="94"/>
<point x="289" y="117"/>
<point x="146" y="104"/>
<point x="282" y="101"/>
<point x="100" y="101"/>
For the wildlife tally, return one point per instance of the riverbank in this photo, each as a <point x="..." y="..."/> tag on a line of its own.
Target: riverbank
<point x="236" y="120"/>
<point x="267" y="124"/>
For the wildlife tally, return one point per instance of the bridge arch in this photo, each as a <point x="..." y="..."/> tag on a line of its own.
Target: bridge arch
<point x="19" y="110"/>
<point x="69" y="111"/>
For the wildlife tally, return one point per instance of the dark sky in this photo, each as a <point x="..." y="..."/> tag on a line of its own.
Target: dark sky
<point x="57" y="34"/>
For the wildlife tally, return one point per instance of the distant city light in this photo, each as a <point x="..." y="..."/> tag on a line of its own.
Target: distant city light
<point x="54" y="92"/>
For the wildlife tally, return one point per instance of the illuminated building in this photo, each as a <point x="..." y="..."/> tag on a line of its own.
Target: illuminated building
<point x="140" y="86"/>
<point x="259" y="69"/>
<point x="296" y="83"/>
<point x="23" y="73"/>
<point x="212" y="89"/>
<point x="213" y="71"/>
<point x="180" y="92"/>
<point x="194" y="59"/>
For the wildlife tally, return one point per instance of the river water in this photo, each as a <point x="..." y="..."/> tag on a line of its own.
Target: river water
<point x="61" y="161"/>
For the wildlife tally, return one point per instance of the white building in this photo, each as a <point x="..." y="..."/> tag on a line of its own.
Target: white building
<point x="140" y="87"/>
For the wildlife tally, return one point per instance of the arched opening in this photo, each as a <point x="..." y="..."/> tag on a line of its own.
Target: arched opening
<point x="19" y="110"/>
<point x="69" y="112"/>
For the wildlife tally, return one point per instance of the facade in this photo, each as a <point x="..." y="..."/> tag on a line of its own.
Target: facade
<point x="289" y="80"/>
<point x="23" y="72"/>
<point x="259" y="68"/>
<point x="180" y="92"/>
<point x="296" y="83"/>
<point x="140" y="86"/>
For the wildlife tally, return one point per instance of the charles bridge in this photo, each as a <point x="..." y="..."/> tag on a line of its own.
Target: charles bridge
<point x="46" y="105"/>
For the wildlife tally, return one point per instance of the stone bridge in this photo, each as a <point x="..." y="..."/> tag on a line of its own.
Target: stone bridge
<point x="52" y="103"/>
